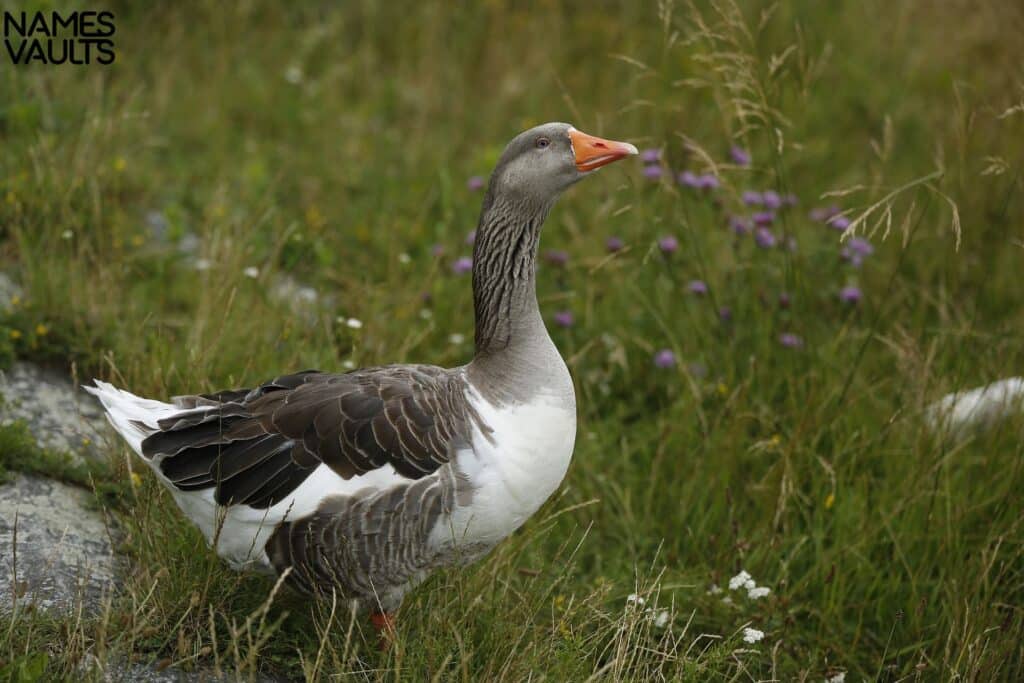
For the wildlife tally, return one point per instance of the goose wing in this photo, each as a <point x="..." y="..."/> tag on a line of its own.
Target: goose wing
<point x="255" y="447"/>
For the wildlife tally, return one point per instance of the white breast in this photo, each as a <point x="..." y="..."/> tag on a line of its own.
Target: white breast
<point x="513" y="468"/>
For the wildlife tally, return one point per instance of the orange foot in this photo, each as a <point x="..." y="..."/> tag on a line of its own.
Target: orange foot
<point x="384" y="624"/>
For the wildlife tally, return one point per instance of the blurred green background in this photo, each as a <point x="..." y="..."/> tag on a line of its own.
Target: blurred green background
<point x="167" y="214"/>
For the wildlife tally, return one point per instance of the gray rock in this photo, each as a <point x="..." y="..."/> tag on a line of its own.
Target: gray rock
<point x="151" y="673"/>
<point x="64" y="556"/>
<point x="142" y="673"/>
<point x="8" y="290"/>
<point x="60" y="415"/>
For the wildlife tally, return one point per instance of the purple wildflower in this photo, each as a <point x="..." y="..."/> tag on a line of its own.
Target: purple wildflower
<point x="471" y="237"/>
<point x="763" y="218"/>
<point x="698" y="287"/>
<point x="725" y="314"/>
<point x="790" y="340"/>
<point x="784" y="300"/>
<point x="463" y="265"/>
<point x="859" y="245"/>
<point x="752" y="198"/>
<point x="856" y="250"/>
<point x="771" y="199"/>
<point x="850" y="295"/>
<point x="740" y="226"/>
<point x="708" y="181"/>
<point x="475" y="183"/>
<point x="690" y="179"/>
<point x="839" y="223"/>
<point x="652" y="172"/>
<point x="791" y="244"/>
<point x="668" y="244"/>
<point x="564" y="319"/>
<point x="651" y="155"/>
<point x="614" y="244"/>
<point x="740" y="156"/>
<point x="823" y="213"/>
<point x="764" y="238"/>
<point x="437" y="250"/>
<point x="664" y="358"/>
<point x="556" y="257"/>
<point x="790" y="200"/>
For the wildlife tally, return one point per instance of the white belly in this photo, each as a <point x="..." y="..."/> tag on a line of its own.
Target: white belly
<point x="512" y="469"/>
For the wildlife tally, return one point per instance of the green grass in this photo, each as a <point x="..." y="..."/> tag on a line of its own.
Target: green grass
<point x="891" y="554"/>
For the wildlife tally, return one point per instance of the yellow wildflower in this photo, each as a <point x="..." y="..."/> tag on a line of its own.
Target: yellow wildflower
<point x="120" y="164"/>
<point x="138" y="240"/>
<point x="135" y="479"/>
<point x="42" y="329"/>
<point x="314" y="218"/>
<point x="15" y="334"/>
<point x="830" y="500"/>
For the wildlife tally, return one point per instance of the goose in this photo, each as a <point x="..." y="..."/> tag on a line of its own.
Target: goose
<point x="359" y="484"/>
<point x="960" y="414"/>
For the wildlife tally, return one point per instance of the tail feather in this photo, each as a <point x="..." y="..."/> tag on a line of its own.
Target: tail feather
<point x="132" y="416"/>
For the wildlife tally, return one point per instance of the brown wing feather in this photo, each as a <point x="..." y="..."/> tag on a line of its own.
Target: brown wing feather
<point x="256" y="447"/>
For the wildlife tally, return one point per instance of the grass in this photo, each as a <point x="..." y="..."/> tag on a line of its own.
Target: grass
<point x="19" y="452"/>
<point x="333" y="147"/>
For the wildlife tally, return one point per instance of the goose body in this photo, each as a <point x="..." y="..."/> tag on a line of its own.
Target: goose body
<point x="507" y="462"/>
<point x="360" y="483"/>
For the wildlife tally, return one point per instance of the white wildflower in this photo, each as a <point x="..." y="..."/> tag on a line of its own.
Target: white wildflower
<point x="634" y="599"/>
<point x="456" y="338"/>
<point x="752" y="635"/>
<point x="189" y="243"/>
<point x="739" y="580"/>
<point x="202" y="264"/>
<point x="426" y="314"/>
<point x="251" y="271"/>
<point x="348" y="364"/>
<point x="307" y="294"/>
<point x="758" y="592"/>
<point x="404" y="258"/>
<point x="354" y="323"/>
<point x="836" y="678"/>
<point x="714" y="589"/>
<point x="67" y="234"/>
<point x="749" y="585"/>
<point x="293" y="74"/>
<point x="727" y="600"/>
<point x="660" y="618"/>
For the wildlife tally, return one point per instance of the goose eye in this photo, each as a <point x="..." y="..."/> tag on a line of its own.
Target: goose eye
<point x="542" y="143"/>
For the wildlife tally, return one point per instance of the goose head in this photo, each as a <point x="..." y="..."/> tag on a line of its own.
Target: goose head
<point x="542" y="162"/>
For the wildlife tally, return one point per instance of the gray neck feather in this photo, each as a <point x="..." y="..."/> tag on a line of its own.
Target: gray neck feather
<point x="504" y="274"/>
<point x="515" y="357"/>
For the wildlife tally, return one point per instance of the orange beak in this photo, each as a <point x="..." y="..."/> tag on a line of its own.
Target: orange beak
<point x="592" y="152"/>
